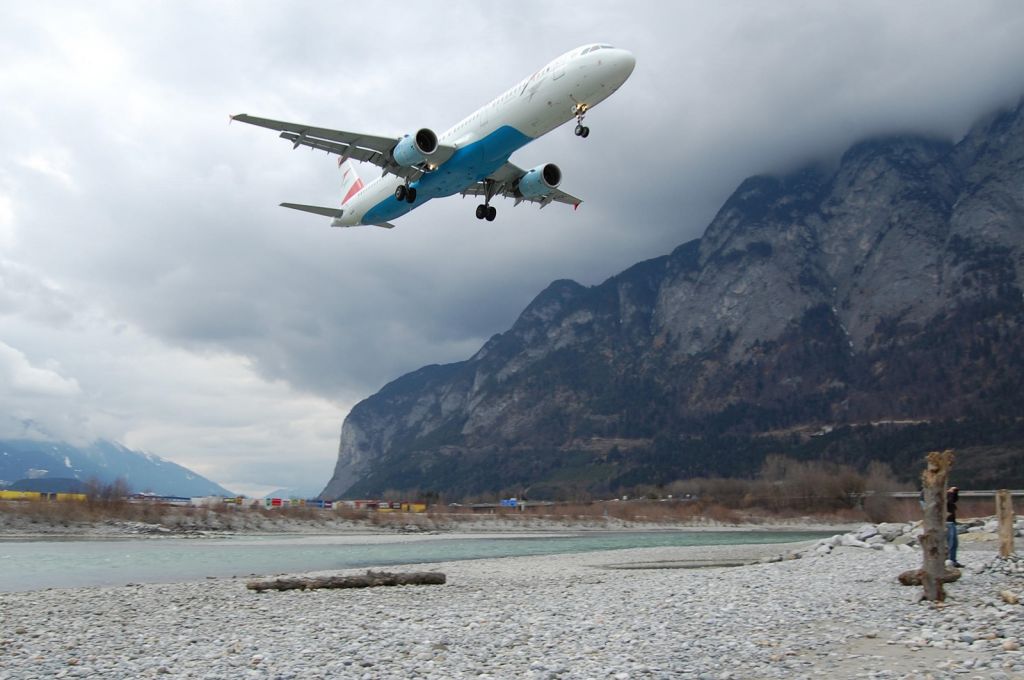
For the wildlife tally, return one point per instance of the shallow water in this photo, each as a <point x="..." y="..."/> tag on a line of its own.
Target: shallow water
<point x="35" y="564"/>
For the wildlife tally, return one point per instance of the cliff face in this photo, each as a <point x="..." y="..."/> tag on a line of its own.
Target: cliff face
<point x="886" y="289"/>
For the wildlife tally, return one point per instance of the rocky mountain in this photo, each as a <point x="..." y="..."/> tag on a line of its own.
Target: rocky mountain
<point x="871" y="310"/>
<point x="103" y="461"/>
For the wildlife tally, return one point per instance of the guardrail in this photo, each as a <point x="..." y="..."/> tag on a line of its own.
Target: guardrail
<point x="964" y="493"/>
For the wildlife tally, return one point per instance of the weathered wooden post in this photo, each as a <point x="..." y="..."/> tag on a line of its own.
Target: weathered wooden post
<point x="933" y="540"/>
<point x="1004" y="513"/>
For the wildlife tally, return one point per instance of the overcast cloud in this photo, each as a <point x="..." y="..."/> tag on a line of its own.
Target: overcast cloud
<point x="152" y="292"/>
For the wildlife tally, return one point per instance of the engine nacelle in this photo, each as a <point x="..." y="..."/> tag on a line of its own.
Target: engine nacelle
<point x="540" y="181"/>
<point x="414" y="149"/>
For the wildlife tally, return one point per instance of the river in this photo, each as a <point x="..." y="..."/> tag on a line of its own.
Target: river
<point x="35" y="564"/>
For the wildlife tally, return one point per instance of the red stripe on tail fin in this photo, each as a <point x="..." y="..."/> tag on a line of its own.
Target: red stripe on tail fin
<point x="353" y="191"/>
<point x="350" y="181"/>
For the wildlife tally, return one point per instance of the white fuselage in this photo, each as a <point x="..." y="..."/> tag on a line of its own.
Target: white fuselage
<point x="484" y="140"/>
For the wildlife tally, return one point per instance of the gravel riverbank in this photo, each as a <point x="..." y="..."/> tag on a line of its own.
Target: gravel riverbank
<point x="204" y="523"/>
<point x="839" y="614"/>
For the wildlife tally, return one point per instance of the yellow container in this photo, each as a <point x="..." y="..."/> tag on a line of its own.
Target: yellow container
<point x="20" y="495"/>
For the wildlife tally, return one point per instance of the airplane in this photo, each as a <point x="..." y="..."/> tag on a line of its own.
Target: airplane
<point x="471" y="158"/>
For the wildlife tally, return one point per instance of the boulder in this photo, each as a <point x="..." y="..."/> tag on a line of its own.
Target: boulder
<point x="866" y="532"/>
<point x="852" y="541"/>
<point x="890" y="530"/>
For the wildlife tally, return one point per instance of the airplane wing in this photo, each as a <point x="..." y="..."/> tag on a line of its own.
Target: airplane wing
<point x="503" y="182"/>
<point x="361" y="147"/>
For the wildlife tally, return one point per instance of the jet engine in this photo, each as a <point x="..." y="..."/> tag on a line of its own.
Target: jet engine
<point x="540" y="181"/>
<point x="414" y="149"/>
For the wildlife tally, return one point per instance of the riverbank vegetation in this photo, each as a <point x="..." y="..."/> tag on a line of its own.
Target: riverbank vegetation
<point x="784" y="490"/>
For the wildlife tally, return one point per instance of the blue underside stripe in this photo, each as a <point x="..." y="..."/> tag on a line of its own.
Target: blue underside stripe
<point x="466" y="167"/>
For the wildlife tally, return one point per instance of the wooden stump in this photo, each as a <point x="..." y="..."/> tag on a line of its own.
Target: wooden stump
<point x="367" y="580"/>
<point x="1004" y="513"/>
<point x="933" y="540"/>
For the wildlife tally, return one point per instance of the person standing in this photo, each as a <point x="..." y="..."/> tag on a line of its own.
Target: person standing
<point x="952" y="537"/>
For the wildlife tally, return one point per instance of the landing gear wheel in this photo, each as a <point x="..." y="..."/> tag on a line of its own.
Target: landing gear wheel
<point x="410" y="195"/>
<point x="481" y="211"/>
<point x="400" y="192"/>
<point x="492" y="212"/>
<point x="580" y="110"/>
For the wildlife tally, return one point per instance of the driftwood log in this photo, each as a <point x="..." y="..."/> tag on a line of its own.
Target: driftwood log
<point x="915" y="577"/>
<point x="367" y="580"/>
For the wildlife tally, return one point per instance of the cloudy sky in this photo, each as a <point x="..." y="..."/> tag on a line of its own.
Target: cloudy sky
<point x="152" y="292"/>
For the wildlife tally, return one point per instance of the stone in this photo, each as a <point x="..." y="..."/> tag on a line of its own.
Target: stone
<point x="890" y="530"/>
<point x="850" y="540"/>
<point x="866" y="532"/>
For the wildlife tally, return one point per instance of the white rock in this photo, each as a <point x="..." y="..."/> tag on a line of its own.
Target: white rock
<point x="851" y="541"/>
<point x="866" y="532"/>
<point x="890" y="531"/>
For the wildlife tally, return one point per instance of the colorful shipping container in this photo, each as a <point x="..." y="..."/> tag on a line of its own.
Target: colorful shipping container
<point x="40" y="496"/>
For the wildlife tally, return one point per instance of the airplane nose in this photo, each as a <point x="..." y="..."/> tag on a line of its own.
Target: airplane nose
<point x="625" y="62"/>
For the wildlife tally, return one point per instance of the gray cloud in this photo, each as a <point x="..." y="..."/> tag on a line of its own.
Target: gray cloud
<point x="132" y="216"/>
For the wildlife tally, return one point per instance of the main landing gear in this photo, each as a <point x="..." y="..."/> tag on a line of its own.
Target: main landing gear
<point x="581" y="130"/>
<point x="486" y="211"/>
<point x="405" y="193"/>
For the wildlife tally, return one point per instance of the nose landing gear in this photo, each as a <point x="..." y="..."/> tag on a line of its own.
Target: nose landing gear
<point x="580" y="110"/>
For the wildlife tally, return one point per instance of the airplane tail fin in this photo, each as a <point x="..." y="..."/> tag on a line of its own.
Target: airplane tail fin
<point x="350" y="181"/>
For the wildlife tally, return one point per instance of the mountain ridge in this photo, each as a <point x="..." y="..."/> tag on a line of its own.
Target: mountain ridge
<point x="886" y="289"/>
<point x="103" y="461"/>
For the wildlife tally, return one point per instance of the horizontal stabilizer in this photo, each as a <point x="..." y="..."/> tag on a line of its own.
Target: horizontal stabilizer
<point x="316" y="209"/>
<point x="383" y="225"/>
